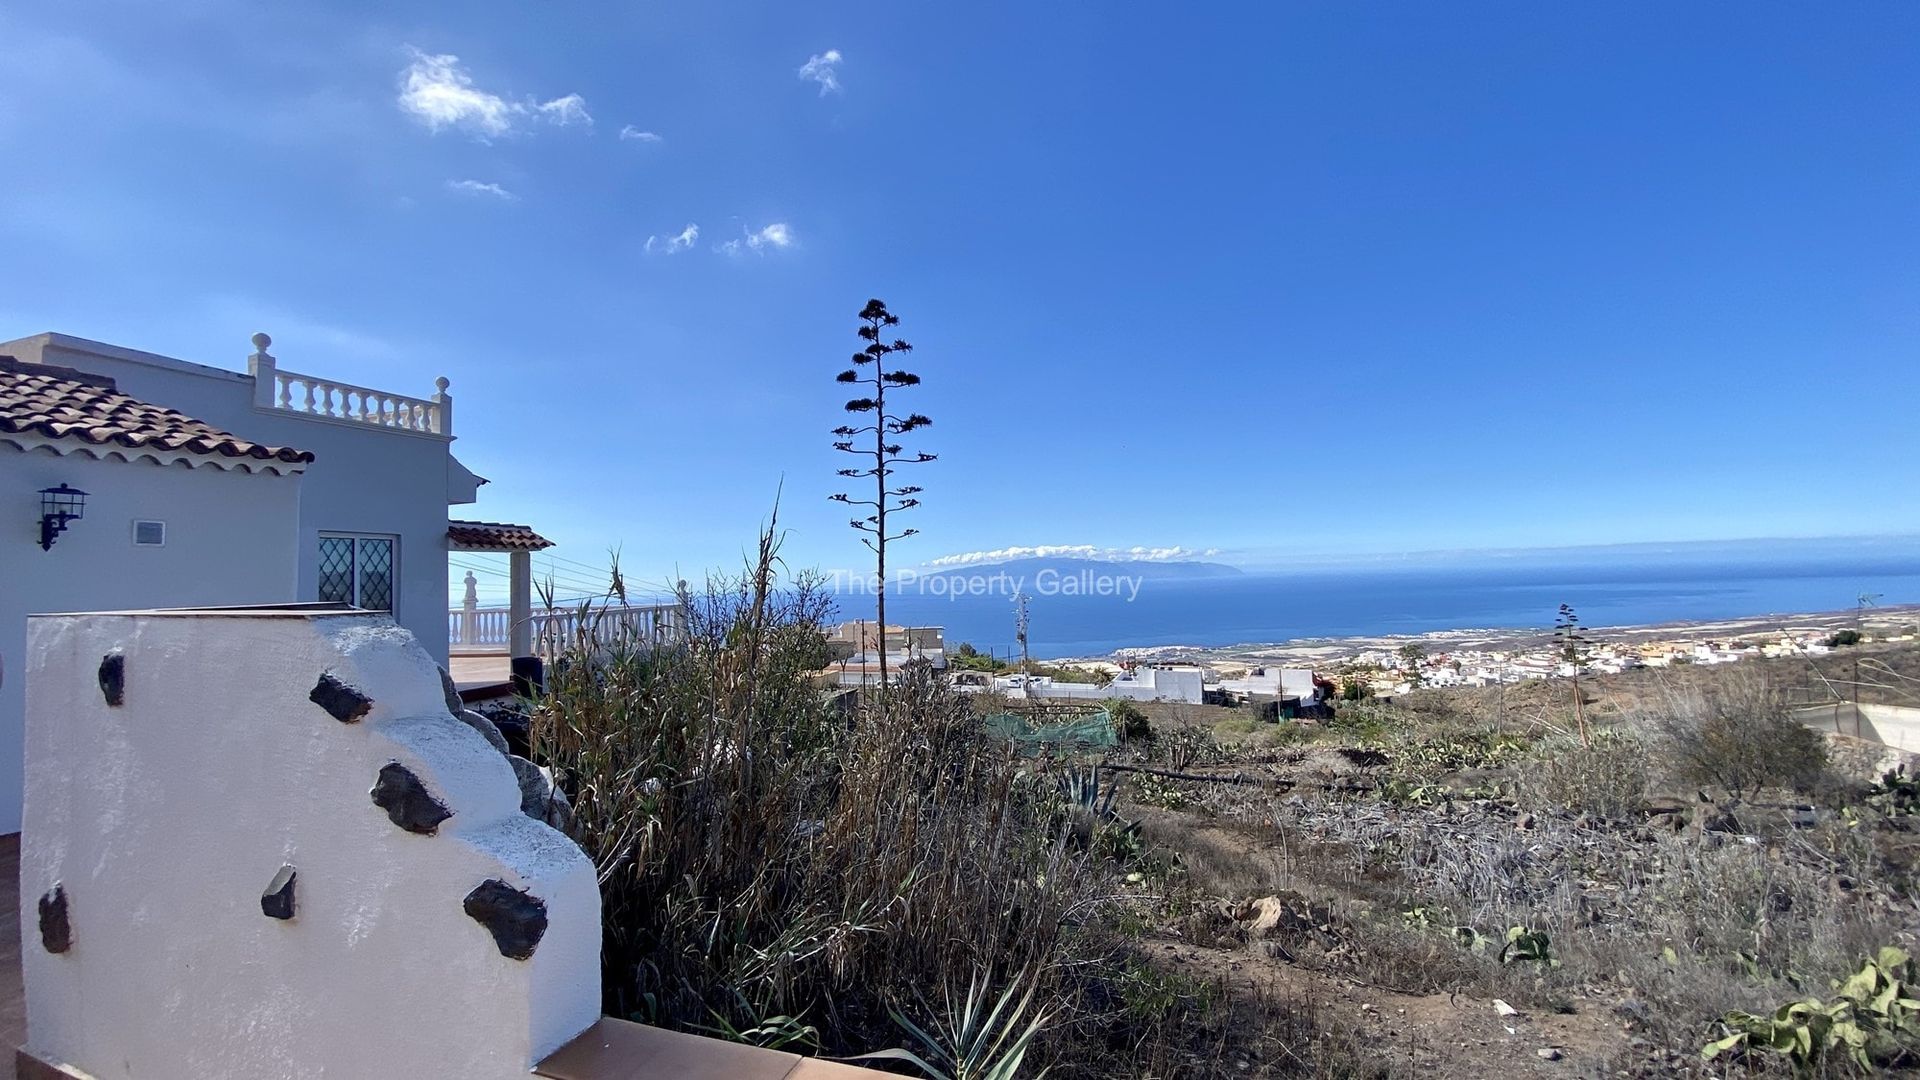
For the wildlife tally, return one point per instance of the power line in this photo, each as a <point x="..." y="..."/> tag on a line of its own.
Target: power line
<point x="565" y="579"/>
<point x="495" y="587"/>
<point x="605" y="570"/>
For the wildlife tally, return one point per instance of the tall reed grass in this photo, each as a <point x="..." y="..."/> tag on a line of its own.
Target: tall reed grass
<point x="777" y="867"/>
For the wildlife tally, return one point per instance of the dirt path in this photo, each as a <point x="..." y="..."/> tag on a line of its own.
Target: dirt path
<point x="1439" y="1036"/>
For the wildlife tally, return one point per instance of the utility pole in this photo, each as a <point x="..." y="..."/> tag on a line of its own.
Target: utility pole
<point x="1020" y="634"/>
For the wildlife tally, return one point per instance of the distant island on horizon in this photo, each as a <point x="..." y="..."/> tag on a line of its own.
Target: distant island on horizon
<point x="1032" y="567"/>
<point x="1212" y="605"/>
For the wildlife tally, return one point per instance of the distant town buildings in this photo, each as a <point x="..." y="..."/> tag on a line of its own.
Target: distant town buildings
<point x="1381" y="669"/>
<point x="1389" y="671"/>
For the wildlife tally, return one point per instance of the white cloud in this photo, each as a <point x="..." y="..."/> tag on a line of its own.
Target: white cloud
<point x="566" y="111"/>
<point x="480" y="187"/>
<point x="777" y="235"/>
<point x="673" y="245"/>
<point x="438" y="92"/>
<point x="1073" y="551"/>
<point x="634" y="134"/>
<point x="823" y="68"/>
<point x="774" y="235"/>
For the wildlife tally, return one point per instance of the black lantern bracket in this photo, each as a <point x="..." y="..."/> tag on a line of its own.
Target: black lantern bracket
<point x="59" y="506"/>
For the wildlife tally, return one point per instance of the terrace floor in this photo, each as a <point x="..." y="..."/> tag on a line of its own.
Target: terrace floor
<point x="476" y="671"/>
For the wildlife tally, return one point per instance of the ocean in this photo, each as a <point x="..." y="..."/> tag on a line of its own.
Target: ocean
<point x="1275" y="607"/>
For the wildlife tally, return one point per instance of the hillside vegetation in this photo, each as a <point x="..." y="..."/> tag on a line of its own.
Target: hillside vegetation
<point x="1425" y="887"/>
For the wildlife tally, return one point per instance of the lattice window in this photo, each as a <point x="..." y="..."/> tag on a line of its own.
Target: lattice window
<point x="358" y="570"/>
<point x="376" y="574"/>
<point x="336" y="569"/>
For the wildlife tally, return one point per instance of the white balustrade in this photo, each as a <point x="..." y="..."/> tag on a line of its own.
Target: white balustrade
<point x="557" y="631"/>
<point x="331" y="399"/>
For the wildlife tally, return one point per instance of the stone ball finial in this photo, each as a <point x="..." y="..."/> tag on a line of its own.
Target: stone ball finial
<point x="261" y="341"/>
<point x="441" y="384"/>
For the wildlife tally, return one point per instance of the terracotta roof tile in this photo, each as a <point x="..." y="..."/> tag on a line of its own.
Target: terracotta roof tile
<point x="61" y="403"/>
<point x="494" y="536"/>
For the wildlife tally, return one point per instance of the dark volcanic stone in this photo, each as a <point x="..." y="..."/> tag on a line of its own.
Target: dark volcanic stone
<point x="277" y="901"/>
<point x="56" y="932"/>
<point x="516" y="918"/>
<point x="341" y="701"/>
<point x="514" y="727"/>
<point x="451" y="693"/>
<point x="539" y="798"/>
<point x="407" y="801"/>
<point x="113" y="678"/>
<point x="486" y="729"/>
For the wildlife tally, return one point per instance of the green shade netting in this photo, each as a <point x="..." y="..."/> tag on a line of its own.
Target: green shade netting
<point x="1084" y="729"/>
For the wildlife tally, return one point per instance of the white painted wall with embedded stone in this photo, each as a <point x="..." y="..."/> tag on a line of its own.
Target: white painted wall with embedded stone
<point x="165" y="818"/>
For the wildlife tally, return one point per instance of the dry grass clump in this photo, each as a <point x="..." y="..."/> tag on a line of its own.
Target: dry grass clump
<point x="1607" y="779"/>
<point x="762" y="856"/>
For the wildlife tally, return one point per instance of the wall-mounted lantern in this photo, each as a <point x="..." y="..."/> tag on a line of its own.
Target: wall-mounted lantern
<point x="58" y="506"/>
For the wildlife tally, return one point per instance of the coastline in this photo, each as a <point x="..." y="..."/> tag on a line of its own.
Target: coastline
<point x="1333" y="650"/>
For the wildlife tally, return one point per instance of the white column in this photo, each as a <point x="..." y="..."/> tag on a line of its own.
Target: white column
<point x="520" y="608"/>
<point x="266" y="384"/>
<point x="441" y="421"/>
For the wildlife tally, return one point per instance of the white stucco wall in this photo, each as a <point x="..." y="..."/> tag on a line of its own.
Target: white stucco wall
<point x="1891" y="725"/>
<point x="364" y="479"/>
<point x="231" y="539"/>
<point x="1147" y="684"/>
<point x="166" y="817"/>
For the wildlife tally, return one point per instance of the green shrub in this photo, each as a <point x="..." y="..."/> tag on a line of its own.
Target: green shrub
<point x="1739" y="737"/>
<point x="1129" y="720"/>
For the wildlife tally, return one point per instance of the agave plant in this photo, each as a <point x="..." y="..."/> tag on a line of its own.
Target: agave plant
<point x="1081" y="787"/>
<point x="975" y="1042"/>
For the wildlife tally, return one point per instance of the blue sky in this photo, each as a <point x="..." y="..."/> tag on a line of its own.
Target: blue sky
<point x="1262" y="278"/>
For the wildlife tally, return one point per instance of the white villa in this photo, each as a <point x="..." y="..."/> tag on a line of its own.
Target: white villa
<point x="131" y="480"/>
<point x="1175" y="683"/>
<point x="1274" y="682"/>
<point x="856" y="649"/>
